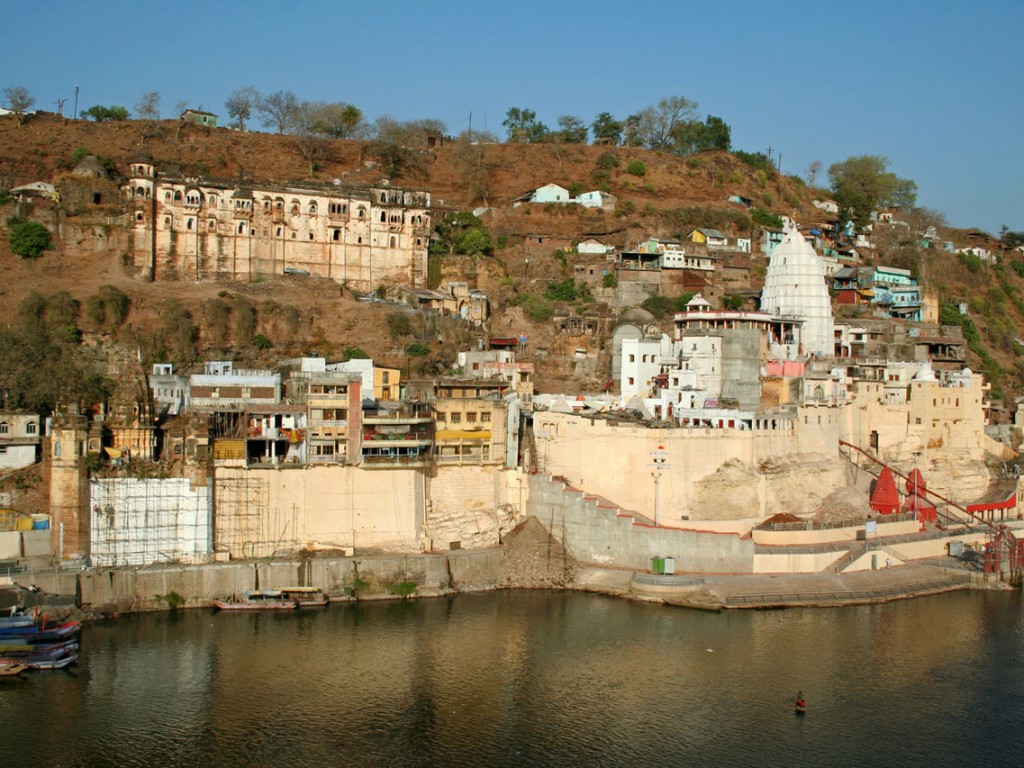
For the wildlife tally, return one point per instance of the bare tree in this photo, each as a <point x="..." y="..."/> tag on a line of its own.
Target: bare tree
<point x="279" y="110"/>
<point x="309" y="134"/>
<point x="19" y="101"/>
<point x="148" y="107"/>
<point x="813" y="169"/>
<point x="241" y="103"/>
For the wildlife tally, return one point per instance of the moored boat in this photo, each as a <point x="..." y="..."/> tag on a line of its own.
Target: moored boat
<point x="61" y="663"/>
<point x="305" y="597"/>
<point x="257" y="600"/>
<point x="12" y="670"/>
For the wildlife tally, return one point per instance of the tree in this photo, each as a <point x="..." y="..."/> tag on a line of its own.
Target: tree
<point x="279" y="110"/>
<point x="241" y="103"/>
<point x="655" y="126"/>
<point x="571" y="130"/>
<point x="469" y="155"/>
<point x="1010" y="240"/>
<point x="307" y="133"/>
<point x="695" y="136"/>
<point x="523" y="127"/>
<point x="28" y="239"/>
<point x="813" y="169"/>
<point x="861" y="184"/>
<point x="19" y="101"/>
<point x="339" y="120"/>
<point x="148" y="107"/>
<point x="103" y="114"/>
<point x="606" y="129"/>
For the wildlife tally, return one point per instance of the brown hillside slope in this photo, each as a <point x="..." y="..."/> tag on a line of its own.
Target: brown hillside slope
<point x="673" y="195"/>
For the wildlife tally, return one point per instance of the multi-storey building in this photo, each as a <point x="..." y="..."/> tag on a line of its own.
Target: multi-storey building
<point x="195" y="229"/>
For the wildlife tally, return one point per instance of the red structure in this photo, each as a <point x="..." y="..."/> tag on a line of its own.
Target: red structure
<point x="917" y="499"/>
<point x="885" y="499"/>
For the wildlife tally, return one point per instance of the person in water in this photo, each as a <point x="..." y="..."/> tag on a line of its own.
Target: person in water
<point x="799" y="699"/>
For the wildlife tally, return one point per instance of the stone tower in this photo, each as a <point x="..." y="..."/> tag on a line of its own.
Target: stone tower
<point x="69" y="485"/>
<point x="795" y="287"/>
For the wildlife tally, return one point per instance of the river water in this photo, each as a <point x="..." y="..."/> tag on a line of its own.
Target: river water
<point x="534" y="679"/>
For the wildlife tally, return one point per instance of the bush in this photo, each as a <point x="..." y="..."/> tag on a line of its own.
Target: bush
<point x="577" y="188"/>
<point x="416" y="349"/>
<point x="607" y="161"/>
<point x="609" y="280"/>
<point x="762" y="218"/>
<point x="636" y="168"/>
<point x="261" y="342"/>
<point x="1018" y="267"/>
<point x="29" y="239"/>
<point x="538" y="310"/>
<point x="399" y="325"/>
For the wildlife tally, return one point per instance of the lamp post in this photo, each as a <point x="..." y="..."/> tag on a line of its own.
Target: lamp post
<point x="659" y="463"/>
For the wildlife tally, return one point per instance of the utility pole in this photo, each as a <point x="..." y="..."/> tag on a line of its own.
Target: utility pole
<point x="659" y="463"/>
<point x="75" y="115"/>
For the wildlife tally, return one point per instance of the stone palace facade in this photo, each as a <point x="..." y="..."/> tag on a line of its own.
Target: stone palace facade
<point x="199" y="229"/>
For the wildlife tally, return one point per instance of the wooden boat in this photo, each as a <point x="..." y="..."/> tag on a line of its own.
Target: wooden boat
<point x="257" y="600"/>
<point x="305" y="597"/>
<point x="40" y="634"/>
<point x="61" y="663"/>
<point x="12" y="670"/>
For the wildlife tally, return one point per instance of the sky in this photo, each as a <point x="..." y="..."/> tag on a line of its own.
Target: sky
<point x="936" y="86"/>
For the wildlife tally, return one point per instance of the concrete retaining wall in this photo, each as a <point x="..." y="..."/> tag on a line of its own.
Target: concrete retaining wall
<point x="598" y="535"/>
<point x="144" y="589"/>
<point x="15" y="545"/>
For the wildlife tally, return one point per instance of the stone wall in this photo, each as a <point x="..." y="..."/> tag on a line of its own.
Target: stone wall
<point x="597" y="534"/>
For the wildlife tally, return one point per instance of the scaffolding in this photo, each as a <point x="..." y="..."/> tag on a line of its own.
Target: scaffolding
<point x="242" y="501"/>
<point x="140" y="521"/>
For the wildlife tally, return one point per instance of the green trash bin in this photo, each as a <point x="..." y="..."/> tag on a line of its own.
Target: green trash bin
<point x="658" y="565"/>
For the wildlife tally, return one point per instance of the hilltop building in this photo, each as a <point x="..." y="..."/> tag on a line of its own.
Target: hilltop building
<point x="200" y="229"/>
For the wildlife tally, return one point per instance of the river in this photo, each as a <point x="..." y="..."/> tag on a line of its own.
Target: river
<point x="534" y="679"/>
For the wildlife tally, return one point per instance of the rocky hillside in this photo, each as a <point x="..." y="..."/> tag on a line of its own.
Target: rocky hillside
<point x="658" y="194"/>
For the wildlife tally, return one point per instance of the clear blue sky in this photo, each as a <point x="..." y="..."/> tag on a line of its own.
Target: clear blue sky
<point x="937" y="86"/>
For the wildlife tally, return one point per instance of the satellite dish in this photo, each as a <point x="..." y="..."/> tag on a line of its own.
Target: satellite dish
<point x="337" y="182"/>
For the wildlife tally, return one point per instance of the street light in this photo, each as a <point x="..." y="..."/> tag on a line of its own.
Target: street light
<point x="659" y="463"/>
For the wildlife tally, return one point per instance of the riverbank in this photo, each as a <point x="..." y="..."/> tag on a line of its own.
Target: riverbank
<point x="529" y="559"/>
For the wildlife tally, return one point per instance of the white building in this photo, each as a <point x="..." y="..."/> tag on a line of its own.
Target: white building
<point x="19" y="439"/>
<point x="597" y="199"/>
<point x="592" y="246"/>
<point x="795" y="287"/>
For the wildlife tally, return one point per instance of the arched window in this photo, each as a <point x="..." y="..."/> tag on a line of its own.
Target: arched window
<point x="140" y="191"/>
<point x="3" y="428"/>
<point x="188" y="224"/>
<point x="383" y="197"/>
<point x="312" y="209"/>
<point x="241" y="227"/>
<point x="213" y="201"/>
<point x="336" y="235"/>
<point x="266" y="205"/>
<point x="359" y="240"/>
<point x="138" y="215"/>
<point x="30" y="428"/>
<point x="344" y="208"/>
<point x="392" y="242"/>
<point x="362" y="213"/>
<point x="418" y="242"/>
<point x="383" y="216"/>
<point x="280" y="231"/>
<point x="177" y="196"/>
<point x="310" y="235"/>
<point x="211" y="225"/>
<point x="167" y="197"/>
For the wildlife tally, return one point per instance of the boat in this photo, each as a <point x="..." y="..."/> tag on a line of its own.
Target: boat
<point x="305" y="597"/>
<point x="39" y="633"/>
<point x="257" y="600"/>
<point x="61" y="663"/>
<point x="12" y="670"/>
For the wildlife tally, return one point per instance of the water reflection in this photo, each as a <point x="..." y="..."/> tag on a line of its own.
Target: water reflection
<point x="517" y="679"/>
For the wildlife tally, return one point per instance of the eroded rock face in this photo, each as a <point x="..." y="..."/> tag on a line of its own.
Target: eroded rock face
<point x="950" y="474"/>
<point x="797" y="485"/>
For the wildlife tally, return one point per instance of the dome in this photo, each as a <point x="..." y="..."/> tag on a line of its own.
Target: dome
<point x="925" y="373"/>
<point x="637" y="316"/>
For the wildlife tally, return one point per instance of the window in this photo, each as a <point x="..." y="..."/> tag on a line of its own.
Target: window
<point x="485" y="416"/>
<point x="3" y="427"/>
<point x="456" y="418"/>
<point x="471" y="417"/>
<point x="30" y="428"/>
<point x="3" y="449"/>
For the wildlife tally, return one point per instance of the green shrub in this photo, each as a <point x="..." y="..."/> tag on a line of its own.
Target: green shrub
<point x="577" y="188"/>
<point x="29" y="239"/>
<point x="537" y="309"/>
<point x="636" y="168"/>
<point x="608" y="280"/>
<point x="607" y="161"/>
<point x="261" y="342"/>
<point x="762" y="218"/>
